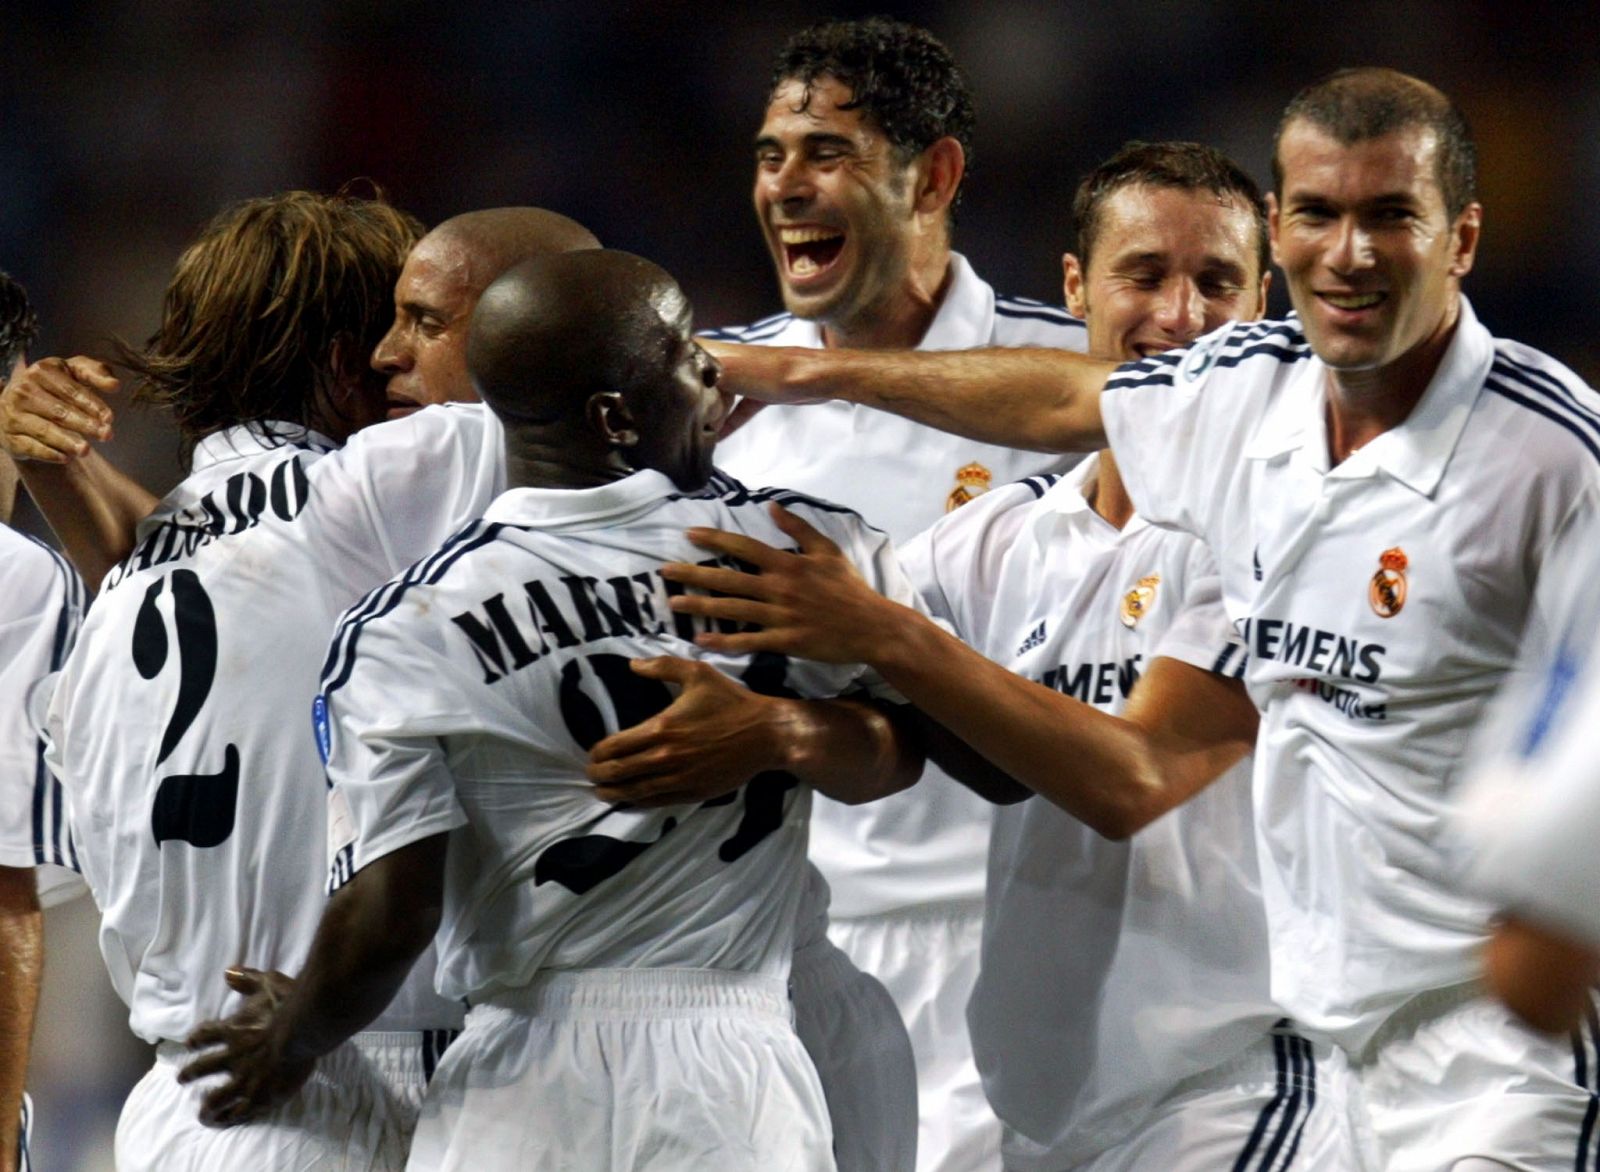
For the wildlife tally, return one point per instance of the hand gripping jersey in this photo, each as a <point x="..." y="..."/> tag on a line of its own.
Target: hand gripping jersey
<point x="1382" y="602"/>
<point x="464" y="695"/>
<point x="179" y="727"/>
<point x="925" y="846"/>
<point x="1112" y="971"/>
<point x="41" y="603"/>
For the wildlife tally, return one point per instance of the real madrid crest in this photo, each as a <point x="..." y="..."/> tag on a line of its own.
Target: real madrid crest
<point x="1137" y="602"/>
<point x="1387" y="590"/>
<point x="971" y="480"/>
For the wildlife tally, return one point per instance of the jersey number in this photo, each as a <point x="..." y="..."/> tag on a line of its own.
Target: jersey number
<point x="197" y="808"/>
<point x="579" y="864"/>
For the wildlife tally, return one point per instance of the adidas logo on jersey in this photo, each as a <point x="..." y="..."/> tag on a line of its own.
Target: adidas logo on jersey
<point x="1035" y="637"/>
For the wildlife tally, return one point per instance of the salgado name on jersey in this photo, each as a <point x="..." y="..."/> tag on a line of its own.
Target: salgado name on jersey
<point x="1093" y="682"/>
<point x="1324" y="652"/>
<point x="573" y="609"/>
<point x="240" y="503"/>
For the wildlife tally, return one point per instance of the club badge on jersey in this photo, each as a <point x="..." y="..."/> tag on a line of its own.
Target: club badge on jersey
<point x="972" y="480"/>
<point x="1137" y="602"/>
<point x="1387" y="590"/>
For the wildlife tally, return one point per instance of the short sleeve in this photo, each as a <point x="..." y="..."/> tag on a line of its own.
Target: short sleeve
<point x="1201" y="634"/>
<point x="386" y="698"/>
<point x="1173" y="426"/>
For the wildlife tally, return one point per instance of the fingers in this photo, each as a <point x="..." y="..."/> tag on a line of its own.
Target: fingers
<point x="671" y="669"/>
<point x="244" y="980"/>
<point x="204" y="1065"/>
<point x="810" y="539"/>
<point x="739" y="610"/>
<point x="618" y="753"/>
<point x="207" y="1033"/>
<point x="737" y="545"/>
<point x="713" y="578"/>
<point x="749" y="642"/>
<point x="94" y="373"/>
<point x="743" y="412"/>
<point x="228" y="1106"/>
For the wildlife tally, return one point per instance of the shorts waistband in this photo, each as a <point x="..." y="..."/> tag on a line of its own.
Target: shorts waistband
<point x="368" y="1042"/>
<point x="657" y="992"/>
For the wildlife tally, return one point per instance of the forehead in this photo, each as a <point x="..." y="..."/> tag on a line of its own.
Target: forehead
<point x="1404" y="161"/>
<point x="822" y="114"/>
<point x="439" y="271"/>
<point x="1185" y="227"/>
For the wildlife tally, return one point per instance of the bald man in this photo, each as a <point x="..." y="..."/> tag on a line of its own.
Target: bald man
<point x="627" y="967"/>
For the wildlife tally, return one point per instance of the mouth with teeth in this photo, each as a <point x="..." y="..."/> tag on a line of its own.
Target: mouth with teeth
<point x="808" y="252"/>
<point x="1352" y="302"/>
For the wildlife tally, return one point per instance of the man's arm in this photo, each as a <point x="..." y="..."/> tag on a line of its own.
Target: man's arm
<point x="371" y="933"/>
<point x="718" y="734"/>
<point x="21" y="964"/>
<point x="49" y="414"/>
<point x="1181" y="729"/>
<point x="1043" y="400"/>
<point x="1543" y="975"/>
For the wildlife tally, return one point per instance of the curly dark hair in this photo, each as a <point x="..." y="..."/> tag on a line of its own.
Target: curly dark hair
<point x="1184" y="166"/>
<point x="1357" y="105"/>
<point x="18" y="324"/>
<point x="259" y="306"/>
<point x="899" y="75"/>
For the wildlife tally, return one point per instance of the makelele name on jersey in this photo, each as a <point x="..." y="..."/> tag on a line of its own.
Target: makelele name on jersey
<point x="237" y="505"/>
<point x="1328" y="654"/>
<point x="507" y="636"/>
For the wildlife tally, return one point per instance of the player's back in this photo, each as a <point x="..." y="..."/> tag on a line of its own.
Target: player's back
<point x="180" y="730"/>
<point x="466" y="694"/>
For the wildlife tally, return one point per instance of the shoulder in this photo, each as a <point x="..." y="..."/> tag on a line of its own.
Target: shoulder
<point x="1022" y="321"/>
<point x="33" y="575"/>
<point x="733" y="494"/>
<point x="1546" y="403"/>
<point x="759" y="331"/>
<point x="1259" y="350"/>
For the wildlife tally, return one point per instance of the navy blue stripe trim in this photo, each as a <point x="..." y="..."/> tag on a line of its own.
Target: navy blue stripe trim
<point x="1308" y="1081"/>
<point x="1549" y="389"/>
<point x="24" y="1155"/>
<point x="1041" y="484"/>
<point x="424" y="573"/>
<point x="1581" y="1077"/>
<point x="1561" y="386"/>
<point x="767" y="327"/>
<point x="1242" y="1164"/>
<point x="1054" y="316"/>
<point x="1548" y="412"/>
<point x="1146" y="373"/>
<point x="434" y="1044"/>
<point x="1291" y="1111"/>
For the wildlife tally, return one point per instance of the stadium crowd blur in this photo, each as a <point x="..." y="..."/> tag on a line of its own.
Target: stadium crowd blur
<point x="124" y="126"/>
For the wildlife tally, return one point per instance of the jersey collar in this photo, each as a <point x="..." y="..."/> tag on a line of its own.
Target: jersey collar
<point x="964" y="319"/>
<point x="251" y="439"/>
<point x="1064" y="506"/>
<point x="1414" y="453"/>
<point x="581" y="508"/>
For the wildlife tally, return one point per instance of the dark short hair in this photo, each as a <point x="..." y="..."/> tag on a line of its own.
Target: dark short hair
<point x="1184" y="166"/>
<point x="899" y="75"/>
<point x="257" y="305"/>
<point x="18" y="324"/>
<point x="1356" y="105"/>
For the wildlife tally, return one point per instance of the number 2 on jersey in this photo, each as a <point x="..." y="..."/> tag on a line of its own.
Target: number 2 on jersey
<point x="197" y="808"/>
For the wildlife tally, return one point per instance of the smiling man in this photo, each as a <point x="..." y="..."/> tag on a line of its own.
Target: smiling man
<point x="1398" y="503"/>
<point x="860" y="161"/>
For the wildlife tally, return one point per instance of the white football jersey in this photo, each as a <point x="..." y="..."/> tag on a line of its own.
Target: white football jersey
<point x="179" y="729"/>
<point x="41" y="604"/>
<point x="1112" y="971"/>
<point x="464" y="695"/>
<point x="927" y="845"/>
<point x="1382" y="602"/>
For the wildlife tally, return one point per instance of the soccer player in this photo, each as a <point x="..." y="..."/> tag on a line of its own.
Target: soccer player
<point x="1397" y="502"/>
<point x="1158" y="1045"/>
<point x="860" y="161"/>
<point x="626" y="968"/>
<point x="41" y="601"/>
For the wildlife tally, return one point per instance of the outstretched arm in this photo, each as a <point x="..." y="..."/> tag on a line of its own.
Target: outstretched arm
<point x="1043" y="400"/>
<point x="371" y="933"/>
<point x="718" y="734"/>
<point x="1181" y="729"/>
<point x="1544" y="975"/>
<point x="49" y="414"/>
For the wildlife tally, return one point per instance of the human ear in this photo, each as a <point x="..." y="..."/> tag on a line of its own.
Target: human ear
<point x="608" y="413"/>
<point x="941" y="167"/>
<point x="1072" y="289"/>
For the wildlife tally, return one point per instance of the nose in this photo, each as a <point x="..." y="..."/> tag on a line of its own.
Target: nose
<point x="1350" y="247"/>
<point x="789" y="183"/>
<point x="389" y="356"/>
<point x="1181" y="311"/>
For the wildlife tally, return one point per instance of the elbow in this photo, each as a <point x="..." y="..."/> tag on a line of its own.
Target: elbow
<point x="1132" y="807"/>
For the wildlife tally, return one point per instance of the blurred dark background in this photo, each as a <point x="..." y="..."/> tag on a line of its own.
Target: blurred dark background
<point x="125" y="125"/>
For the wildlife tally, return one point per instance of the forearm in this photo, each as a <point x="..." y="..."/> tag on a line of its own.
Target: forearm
<point x="851" y="750"/>
<point x="1545" y="977"/>
<point x="1043" y="400"/>
<point x="371" y="933"/>
<point x="1105" y="771"/>
<point x="21" y="966"/>
<point x="92" y="507"/>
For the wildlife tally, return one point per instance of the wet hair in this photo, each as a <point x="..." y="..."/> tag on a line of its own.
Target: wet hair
<point x="498" y="238"/>
<point x="259" y="304"/>
<point x="1357" y="105"/>
<point x="18" y="324"/>
<point x="1182" y="166"/>
<point x="900" y="76"/>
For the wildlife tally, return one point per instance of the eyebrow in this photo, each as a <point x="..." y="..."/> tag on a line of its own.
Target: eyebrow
<point x="814" y="139"/>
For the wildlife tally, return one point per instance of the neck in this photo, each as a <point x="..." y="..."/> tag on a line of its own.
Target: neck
<point x="901" y="319"/>
<point x="1106" y="494"/>
<point x="1363" y="404"/>
<point x="535" y="458"/>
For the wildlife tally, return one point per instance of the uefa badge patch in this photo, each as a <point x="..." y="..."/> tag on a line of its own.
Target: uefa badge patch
<point x="319" y="725"/>
<point x="1387" y="590"/>
<point x="971" y="480"/>
<point x="1137" y="602"/>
